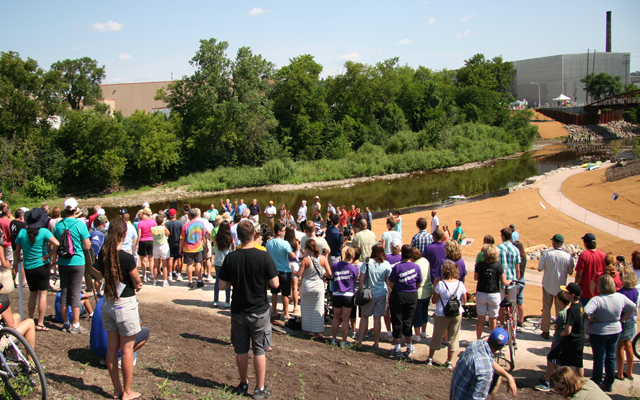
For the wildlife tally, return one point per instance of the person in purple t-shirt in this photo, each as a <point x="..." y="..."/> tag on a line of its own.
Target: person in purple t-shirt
<point x="395" y="256"/>
<point x="436" y="254"/>
<point x="343" y="300"/>
<point x="454" y="253"/>
<point x="404" y="281"/>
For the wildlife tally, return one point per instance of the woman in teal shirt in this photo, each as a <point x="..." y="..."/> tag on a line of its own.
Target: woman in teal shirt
<point x="33" y="242"/>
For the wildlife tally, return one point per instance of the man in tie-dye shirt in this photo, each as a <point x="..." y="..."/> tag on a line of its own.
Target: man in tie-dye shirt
<point x="191" y="246"/>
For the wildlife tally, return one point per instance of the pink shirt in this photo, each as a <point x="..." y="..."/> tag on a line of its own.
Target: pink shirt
<point x="145" y="229"/>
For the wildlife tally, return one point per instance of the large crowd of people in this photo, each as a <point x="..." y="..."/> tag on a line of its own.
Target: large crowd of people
<point x="308" y="266"/>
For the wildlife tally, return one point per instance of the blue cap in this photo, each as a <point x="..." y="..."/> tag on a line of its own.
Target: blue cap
<point x="499" y="337"/>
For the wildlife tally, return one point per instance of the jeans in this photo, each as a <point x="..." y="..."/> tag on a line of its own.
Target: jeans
<point x="216" y="287"/>
<point x="604" y="354"/>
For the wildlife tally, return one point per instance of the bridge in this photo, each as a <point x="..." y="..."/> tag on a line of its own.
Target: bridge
<point x="618" y="102"/>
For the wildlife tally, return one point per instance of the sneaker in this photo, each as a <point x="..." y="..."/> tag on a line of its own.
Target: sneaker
<point x="368" y="334"/>
<point x="429" y="361"/>
<point x="334" y="342"/>
<point x="423" y="335"/>
<point x="389" y="337"/>
<point x="416" y="338"/>
<point x="165" y="284"/>
<point x="227" y="305"/>
<point x="410" y="351"/>
<point x="448" y="365"/>
<point x="191" y="285"/>
<point x="606" y="389"/>
<point x="262" y="394"/>
<point x="345" y="345"/>
<point x="543" y="387"/>
<point x="135" y="359"/>
<point x="144" y="278"/>
<point x="200" y="284"/>
<point x="178" y="277"/>
<point x="77" y="330"/>
<point x="216" y="304"/>
<point x="396" y="353"/>
<point x="209" y="278"/>
<point x="354" y="335"/>
<point x="155" y="282"/>
<point x="174" y="276"/>
<point x="65" y="327"/>
<point x="242" y="389"/>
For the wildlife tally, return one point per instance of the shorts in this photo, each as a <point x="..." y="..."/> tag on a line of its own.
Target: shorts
<point x="161" y="252"/>
<point x="38" y="278"/>
<point x="207" y="252"/>
<point x="377" y="307"/>
<point x="421" y="316"/>
<point x="285" y="284"/>
<point x="564" y="356"/>
<point x="343" y="301"/>
<point x="193" y="258"/>
<point x="628" y="328"/>
<point x="251" y="328"/>
<point x="8" y="254"/>
<point x="520" y="295"/>
<point x="488" y="304"/>
<point x="121" y="315"/>
<point x="513" y="292"/>
<point x="145" y="248"/>
<point x="174" y="252"/>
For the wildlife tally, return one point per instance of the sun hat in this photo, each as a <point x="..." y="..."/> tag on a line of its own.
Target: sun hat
<point x="70" y="204"/>
<point x="147" y="211"/>
<point x="226" y="217"/>
<point x="499" y="337"/>
<point x="218" y="219"/>
<point x="36" y="218"/>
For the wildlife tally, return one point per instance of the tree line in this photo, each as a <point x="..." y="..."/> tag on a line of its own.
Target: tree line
<point x="242" y="112"/>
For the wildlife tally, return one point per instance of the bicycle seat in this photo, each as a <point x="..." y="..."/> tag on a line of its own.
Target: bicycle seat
<point x="505" y="302"/>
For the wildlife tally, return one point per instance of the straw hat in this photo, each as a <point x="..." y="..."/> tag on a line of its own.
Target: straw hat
<point x="147" y="211"/>
<point x="227" y="217"/>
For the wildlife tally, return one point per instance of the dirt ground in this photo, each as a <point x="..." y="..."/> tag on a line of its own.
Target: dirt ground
<point x="548" y="127"/>
<point x="588" y="191"/>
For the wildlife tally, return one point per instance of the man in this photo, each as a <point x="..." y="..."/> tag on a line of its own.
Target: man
<point x="316" y="209"/>
<point x="436" y="254"/>
<point x="270" y="213"/>
<point x="175" y="258"/>
<point x="213" y="211"/>
<point x="335" y="240"/>
<point x="344" y="217"/>
<point x="352" y="215"/>
<point x="249" y="271"/>
<point x="590" y="263"/>
<point x="310" y="230"/>
<point x="191" y="246"/>
<point x="5" y="225"/>
<point x="364" y="240"/>
<point x="435" y="221"/>
<point x="473" y="376"/>
<point x="99" y="234"/>
<point x="331" y="210"/>
<point x="131" y="238"/>
<point x="458" y="233"/>
<point x="240" y="207"/>
<point x="423" y="238"/>
<point x="280" y="250"/>
<point x="228" y="207"/>
<point x="510" y="260"/>
<point x="515" y="236"/>
<point x="254" y="211"/>
<point x="556" y="264"/>
<point x="93" y="216"/>
<point x="234" y="228"/>
<point x="369" y="217"/>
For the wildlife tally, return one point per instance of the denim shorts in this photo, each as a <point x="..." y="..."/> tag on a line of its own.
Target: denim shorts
<point x="121" y="315"/>
<point x="520" y="295"/>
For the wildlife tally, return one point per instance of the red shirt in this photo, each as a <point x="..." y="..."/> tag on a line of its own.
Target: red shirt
<point x="590" y="262"/>
<point x="91" y="218"/>
<point x="343" y="218"/>
<point x="616" y="280"/>
<point x="5" y="225"/>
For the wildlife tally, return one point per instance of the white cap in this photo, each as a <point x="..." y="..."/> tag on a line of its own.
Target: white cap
<point x="70" y="204"/>
<point x="101" y="212"/>
<point x="396" y="243"/>
<point x="24" y="209"/>
<point x="145" y="204"/>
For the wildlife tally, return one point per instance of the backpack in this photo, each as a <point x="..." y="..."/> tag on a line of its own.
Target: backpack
<point x="452" y="308"/>
<point x="97" y="239"/>
<point x="65" y="250"/>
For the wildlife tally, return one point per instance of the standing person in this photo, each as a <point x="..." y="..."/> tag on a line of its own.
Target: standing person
<point x="226" y="207"/>
<point x="425" y="291"/>
<point x="556" y="265"/>
<point x="255" y="210"/>
<point x="175" y="257"/>
<point x="458" y="233"/>
<point x="344" y="217"/>
<point x="389" y="235"/>
<point x="192" y="247"/>
<point x="488" y="239"/>
<point x="302" y="215"/>
<point x="187" y="207"/>
<point x="369" y="217"/>
<point x="160" y="234"/>
<point x="352" y="215"/>
<point x="609" y="269"/>
<point x="240" y="207"/>
<point x="446" y="234"/>
<point x="335" y="240"/>
<point x="294" y="263"/>
<point x="423" y="238"/>
<point x="635" y="262"/>
<point x="131" y="238"/>
<point x="224" y="246"/>
<point x="555" y="352"/>
<point x="398" y="219"/>
<point x="435" y="221"/>
<point x="364" y="239"/>
<point x="489" y="274"/>
<point x="270" y="214"/>
<point x="281" y="251"/>
<point x="331" y="210"/>
<point x="288" y="219"/>
<point x="590" y="262"/>
<point x="572" y="386"/>
<point x="404" y="281"/>
<point x="33" y="242"/>
<point x="520" y="295"/>
<point x="604" y="314"/>
<point x="145" y="242"/>
<point x="435" y="253"/>
<point x="120" y="316"/>
<point x="55" y="218"/>
<point x="321" y="243"/>
<point x="15" y="227"/>
<point x="316" y="209"/>
<point x="454" y="253"/>
<point x="249" y="271"/>
<point x="515" y="236"/>
<point x="213" y="212"/>
<point x="71" y="269"/>
<point x="629" y="327"/>
<point x="5" y="226"/>
<point x="475" y="371"/>
<point x="283" y="213"/>
<point x="343" y="300"/>
<point x="313" y="269"/>
<point x="510" y="261"/>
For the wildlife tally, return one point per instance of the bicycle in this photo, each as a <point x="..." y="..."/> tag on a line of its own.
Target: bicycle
<point x="511" y="320"/>
<point x="636" y="346"/>
<point x="20" y="369"/>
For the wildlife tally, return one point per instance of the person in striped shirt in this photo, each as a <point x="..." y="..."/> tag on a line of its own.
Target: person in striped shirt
<point x="510" y="260"/>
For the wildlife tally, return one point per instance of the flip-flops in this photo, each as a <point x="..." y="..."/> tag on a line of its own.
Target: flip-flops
<point x="41" y="328"/>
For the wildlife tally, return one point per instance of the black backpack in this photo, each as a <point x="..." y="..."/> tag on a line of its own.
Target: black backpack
<point x="452" y="308"/>
<point x="65" y="250"/>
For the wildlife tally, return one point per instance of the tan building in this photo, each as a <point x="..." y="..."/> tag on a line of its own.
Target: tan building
<point x="128" y="97"/>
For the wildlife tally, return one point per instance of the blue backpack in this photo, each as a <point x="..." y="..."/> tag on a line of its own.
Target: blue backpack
<point x="97" y="240"/>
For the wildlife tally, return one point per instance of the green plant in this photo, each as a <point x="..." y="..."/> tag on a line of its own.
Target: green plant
<point x="302" y="392"/>
<point x="167" y="388"/>
<point x="400" y="366"/>
<point x="37" y="188"/>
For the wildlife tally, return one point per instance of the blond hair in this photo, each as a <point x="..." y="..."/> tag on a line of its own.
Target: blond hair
<point x="490" y="253"/>
<point x="453" y="250"/>
<point x="606" y="285"/>
<point x="628" y="277"/>
<point x="570" y="379"/>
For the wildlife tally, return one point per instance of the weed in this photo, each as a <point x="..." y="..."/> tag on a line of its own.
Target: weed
<point x="302" y="392"/>
<point x="167" y="388"/>
<point x="222" y="393"/>
<point x="400" y="366"/>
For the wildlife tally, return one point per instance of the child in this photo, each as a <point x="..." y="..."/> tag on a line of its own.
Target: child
<point x="552" y="357"/>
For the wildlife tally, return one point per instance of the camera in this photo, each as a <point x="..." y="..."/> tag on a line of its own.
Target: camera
<point x="266" y="233"/>
<point x="620" y="259"/>
<point x="348" y="231"/>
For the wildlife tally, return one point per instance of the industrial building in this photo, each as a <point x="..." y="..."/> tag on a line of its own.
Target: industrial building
<point x="128" y="97"/>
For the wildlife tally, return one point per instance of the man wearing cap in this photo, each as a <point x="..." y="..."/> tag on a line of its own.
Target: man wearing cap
<point x="556" y="265"/>
<point x="515" y="236"/>
<point x="255" y="210"/>
<point x="590" y="263"/>
<point x="473" y="377"/>
<point x="174" y="226"/>
<point x="270" y="213"/>
<point x="316" y="209"/>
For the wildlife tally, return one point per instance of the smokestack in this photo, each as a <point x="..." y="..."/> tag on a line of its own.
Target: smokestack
<point x="608" y="44"/>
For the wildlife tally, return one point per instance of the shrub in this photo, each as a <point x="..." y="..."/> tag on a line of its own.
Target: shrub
<point x="37" y="188"/>
<point x="275" y="171"/>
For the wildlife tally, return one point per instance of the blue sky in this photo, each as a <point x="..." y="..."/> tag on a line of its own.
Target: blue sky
<point x="140" y="41"/>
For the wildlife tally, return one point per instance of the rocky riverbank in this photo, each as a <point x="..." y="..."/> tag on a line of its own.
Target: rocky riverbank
<point x="611" y="130"/>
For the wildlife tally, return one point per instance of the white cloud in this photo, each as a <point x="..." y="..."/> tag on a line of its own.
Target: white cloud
<point x="404" y="42"/>
<point x="108" y="26"/>
<point x="258" y="11"/>
<point x="75" y="48"/>
<point x="468" y="18"/>
<point x="116" y="80"/>
<point x="124" y="56"/>
<point x="431" y="21"/>
<point x="350" y="56"/>
<point x="463" y="34"/>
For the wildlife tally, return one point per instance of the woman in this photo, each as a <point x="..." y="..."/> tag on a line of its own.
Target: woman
<point x="302" y="215"/>
<point x="33" y="242"/>
<point x="421" y="316"/>
<point x="448" y="287"/>
<point x="398" y="218"/>
<point x="404" y="281"/>
<point x="454" y="253"/>
<point x="224" y="244"/>
<point x="288" y="220"/>
<point x="571" y="386"/>
<point x="603" y="317"/>
<point x="635" y="261"/>
<point x="396" y="252"/>
<point x="160" y="234"/>
<point x="55" y="218"/>
<point x="389" y="235"/>
<point x="294" y="263"/>
<point x="629" y="282"/>
<point x="11" y="320"/>
<point x="283" y="213"/>
<point x="489" y="274"/>
<point x="313" y="270"/>
<point x="375" y="275"/>
<point x="609" y="269"/>
<point x="343" y="300"/>
<point x="447" y="234"/>
<point x="119" y="310"/>
<point x="145" y="241"/>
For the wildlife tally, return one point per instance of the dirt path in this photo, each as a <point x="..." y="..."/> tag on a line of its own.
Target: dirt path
<point x="548" y="127"/>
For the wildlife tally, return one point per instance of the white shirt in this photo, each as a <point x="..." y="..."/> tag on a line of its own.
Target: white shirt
<point x="270" y="210"/>
<point x="302" y="213"/>
<point x="434" y="223"/>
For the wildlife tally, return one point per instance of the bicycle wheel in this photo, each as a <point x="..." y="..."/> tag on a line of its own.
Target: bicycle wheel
<point x="28" y="381"/>
<point x="512" y="345"/>
<point x="636" y="346"/>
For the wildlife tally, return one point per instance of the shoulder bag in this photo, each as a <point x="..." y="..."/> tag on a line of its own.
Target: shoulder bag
<point x="363" y="295"/>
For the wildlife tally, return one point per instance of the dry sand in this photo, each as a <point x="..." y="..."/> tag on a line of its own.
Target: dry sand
<point x="548" y="127"/>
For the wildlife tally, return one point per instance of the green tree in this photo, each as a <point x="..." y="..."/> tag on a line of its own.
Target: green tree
<point x="602" y="85"/>
<point x="495" y="74"/>
<point x="83" y="77"/>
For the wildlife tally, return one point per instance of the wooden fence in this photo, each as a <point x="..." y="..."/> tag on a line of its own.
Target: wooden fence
<point x="577" y="119"/>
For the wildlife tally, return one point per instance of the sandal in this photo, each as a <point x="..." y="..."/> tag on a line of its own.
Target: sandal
<point x="41" y="328"/>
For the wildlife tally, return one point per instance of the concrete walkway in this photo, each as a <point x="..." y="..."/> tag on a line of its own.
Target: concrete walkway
<point x="551" y="192"/>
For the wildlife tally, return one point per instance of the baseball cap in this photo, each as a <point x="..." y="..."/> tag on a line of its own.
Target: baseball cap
<point x="102" y="219"/>
<point x="145" y="204"/>
<point x="270" y="201"/>
<point x="70" y="204"/>
<point x="572" y="288"/>
<point x="101" y="212"/>
<point x="123" y="211"/>
<point x="173" y="212"/>
<point x="558" y="238"/>
<point x="24" y="209"/>
<point x="499" y="337"/>
<point x="512" y="226"/>
<point x="396" y="243"/>
<point x="590" y="237"/>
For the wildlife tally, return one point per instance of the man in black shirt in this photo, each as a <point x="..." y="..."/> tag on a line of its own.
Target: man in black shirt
<point x="249" y="271"/>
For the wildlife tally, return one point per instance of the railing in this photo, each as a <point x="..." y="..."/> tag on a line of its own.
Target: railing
<point x="621" y="101"/>
<point x="577" y="119"/>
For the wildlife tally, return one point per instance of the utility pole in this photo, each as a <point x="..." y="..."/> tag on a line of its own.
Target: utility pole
<point x="587" y="98"/>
